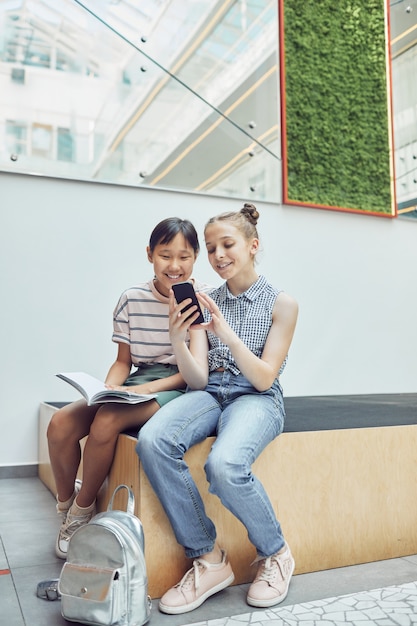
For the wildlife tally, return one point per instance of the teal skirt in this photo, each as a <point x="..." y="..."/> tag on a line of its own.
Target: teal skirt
<point x="147" y="373"/>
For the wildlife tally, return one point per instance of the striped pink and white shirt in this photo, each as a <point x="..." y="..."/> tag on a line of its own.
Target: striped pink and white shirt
<point x="140" y="319"/>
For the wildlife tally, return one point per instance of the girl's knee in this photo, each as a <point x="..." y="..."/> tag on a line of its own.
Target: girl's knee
<point x="214" y="468"/>
<point x="223" y="472"/>
<point x="155" y="443"/>
<point x="105" y="426"/>
<point x="147" y="438"/>
<point x="70" y="423"/>
<point x="59" y="427"/>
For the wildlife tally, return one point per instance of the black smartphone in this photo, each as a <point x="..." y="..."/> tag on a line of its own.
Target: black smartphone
<point x="185" y="290"/>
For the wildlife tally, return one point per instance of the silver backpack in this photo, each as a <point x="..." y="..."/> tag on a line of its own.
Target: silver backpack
<point x="104" y="580"/>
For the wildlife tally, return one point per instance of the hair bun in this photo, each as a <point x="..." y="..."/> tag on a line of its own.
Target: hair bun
<point x="250" y="212"/>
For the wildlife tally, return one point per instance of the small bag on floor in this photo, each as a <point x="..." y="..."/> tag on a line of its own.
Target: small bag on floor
<point x="48" y="589"/>
<point x="104" y="580"/>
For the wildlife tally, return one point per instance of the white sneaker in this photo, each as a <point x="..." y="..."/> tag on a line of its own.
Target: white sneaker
<point x="63" y="512"/>
<point x="271" y="583"/>
<point x="199" y="583"/>
<point x="69" y="525"/>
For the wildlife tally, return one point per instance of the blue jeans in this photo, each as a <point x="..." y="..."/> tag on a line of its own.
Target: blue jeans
<point x="244" y="422"/>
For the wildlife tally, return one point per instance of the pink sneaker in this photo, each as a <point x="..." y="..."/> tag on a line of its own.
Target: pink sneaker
<point x="199" y="583"/>
<point x="272" y="580"/>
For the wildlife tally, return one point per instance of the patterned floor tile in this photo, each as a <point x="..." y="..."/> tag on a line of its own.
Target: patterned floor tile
<point x="390" y="606"/>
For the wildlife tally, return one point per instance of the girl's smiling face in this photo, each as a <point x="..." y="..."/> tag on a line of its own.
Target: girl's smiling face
<point x="173" y="262"/>
<point x="229" y="252"/>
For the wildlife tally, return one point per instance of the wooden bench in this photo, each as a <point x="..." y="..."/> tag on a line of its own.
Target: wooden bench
<point x="343" y="496"/>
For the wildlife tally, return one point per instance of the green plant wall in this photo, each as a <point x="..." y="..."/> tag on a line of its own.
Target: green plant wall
<point x="336" y="122"/>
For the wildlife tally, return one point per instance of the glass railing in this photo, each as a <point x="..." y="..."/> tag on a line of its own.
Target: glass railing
<point x="174" y="94"/>
<point x="178" y="95"/>
<point x="404" y="91"/>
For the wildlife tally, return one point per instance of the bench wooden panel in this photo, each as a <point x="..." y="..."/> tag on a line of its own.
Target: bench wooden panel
<point x="343" y="497"/>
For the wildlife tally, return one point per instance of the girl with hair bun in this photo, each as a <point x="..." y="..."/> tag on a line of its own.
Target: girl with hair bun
<point x="233" y="393"/>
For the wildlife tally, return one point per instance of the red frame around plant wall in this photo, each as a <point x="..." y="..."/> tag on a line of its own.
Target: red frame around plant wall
<point x="296" y="202"/>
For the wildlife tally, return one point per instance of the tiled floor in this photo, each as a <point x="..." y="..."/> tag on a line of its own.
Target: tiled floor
<point x="383" y="593"/>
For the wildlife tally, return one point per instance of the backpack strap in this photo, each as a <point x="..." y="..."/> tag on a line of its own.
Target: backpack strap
<point x="130" y="507"/>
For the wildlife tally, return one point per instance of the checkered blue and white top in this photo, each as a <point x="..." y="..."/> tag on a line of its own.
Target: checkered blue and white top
<point x="249" y="314"/>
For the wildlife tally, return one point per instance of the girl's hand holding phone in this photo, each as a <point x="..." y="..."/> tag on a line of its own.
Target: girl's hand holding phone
<point x="184" y="292"/>
<point x="181" y="318"/>
<point x="218" y="325"/>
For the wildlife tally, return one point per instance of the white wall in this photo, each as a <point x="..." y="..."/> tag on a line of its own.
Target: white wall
<point x="68" y="249"/>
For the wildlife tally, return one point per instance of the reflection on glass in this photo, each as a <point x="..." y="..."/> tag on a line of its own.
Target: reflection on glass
<point x="404" y="84"/>
<point x="16" y="137"/>
<point x="179" y="94"/>
<point x="174" y="94"/>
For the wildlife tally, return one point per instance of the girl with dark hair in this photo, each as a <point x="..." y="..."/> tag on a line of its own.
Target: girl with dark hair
<point x="233" y="393"/>
<point x="141" y="331"/>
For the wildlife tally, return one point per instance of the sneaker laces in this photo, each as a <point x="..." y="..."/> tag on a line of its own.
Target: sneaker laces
<point x="192" y="577"/>
<point x="267" y="572"/>
<point x="270" y="566"/>
<point x="71" y="526"/>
